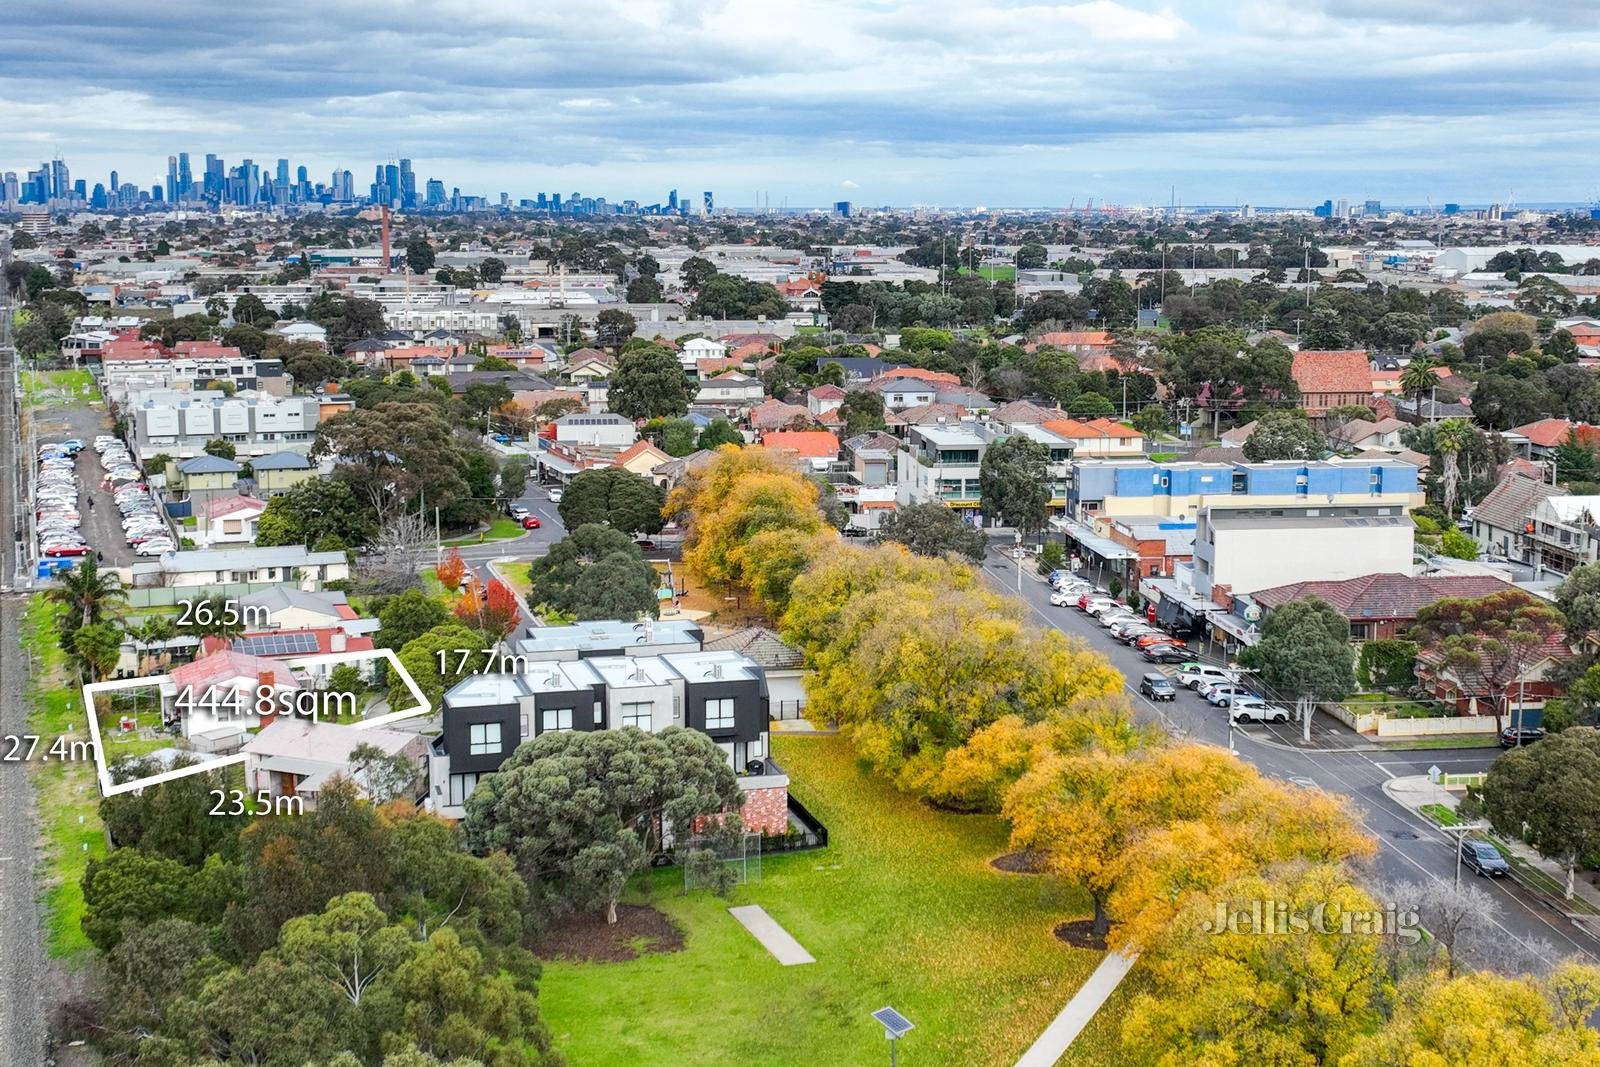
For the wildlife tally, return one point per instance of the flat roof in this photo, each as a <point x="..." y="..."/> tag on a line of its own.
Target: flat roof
<point x="608" y="633"/>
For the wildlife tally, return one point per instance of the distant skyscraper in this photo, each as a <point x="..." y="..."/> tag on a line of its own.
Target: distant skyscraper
<point x="435" y="193"/>
<point x="97" y="199"/>
<point x="672" y="202"/>
<point x="391" y="182"/>
<point x="282" y="176"/>
<point x="172" y="178"/>
<point x="842" y="208"/>
<point x="1325" y="211"/>
<point x="706" y="204"/>
<point x="60" y="181"/>
<point x="185" y="177"/>
<point x="10" y="188"/>
<point x="252" y="181"/>
<point x="408" y="185"/>
<point x="1372" y="207"/>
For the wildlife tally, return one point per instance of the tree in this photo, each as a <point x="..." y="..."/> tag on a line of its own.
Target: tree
<point x="1482" y="646"/>
<point x="644" y="290"/>
<point x="492" y="270"/>
<point x="220" y="448"/>
<point x="648" y="383"/>
<point x="130" y="888"/>
<point x="1419" y="378"/>
<point x="615" y="497"/>
<point x="250" y="310"/>
<point x="727" y="505"/>
<point x="1325" y="331"/>
<point x="1283" y="435"/>
<point x="419" y="255"/>
<point x="932" y="529"/>
<point x="432" y="672"/>
<point x="1540" y="793"/>
<point x="1305" y="651"/>
<point x="1500" y="401"/>
<point x="861" y="411"/>
<point x="695" y="272"/>
<point x="1013" y="483"/>
<point x="583" y="811"/>
<point x="1578" y="597"/>
<point x="322" y="514"/>
<point x="719" y="432"/>
<point x="96" y="648"/>
<point x="1032" y="256"/>
<point x="396" y="451"/>
<point x="451" y="570"/>
<point x="675" y="437"/>
<point x="88" y="595"/>
<point x="513" y="480"/>
<point x="1451" y="438"/>
<point x="612" y="328"/>
<point x="483" y="397"/>
<point x="853" y="319"/>
<point x="595" y="572"/>
<point x="349" y="945"/>
<point x="1457" y="545"/>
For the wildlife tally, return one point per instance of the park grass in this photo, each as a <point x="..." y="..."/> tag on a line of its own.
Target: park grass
<point x="516" y="575"/>
<point x="67" y="793"/>
<point x="902" y="909"/>
<point x="503" y="528"/>
<point x="995" y="272"/>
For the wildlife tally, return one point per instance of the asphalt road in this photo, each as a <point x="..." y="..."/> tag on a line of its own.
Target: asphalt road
<point x="531" y="544"/>
<point x="1411" y="849"/>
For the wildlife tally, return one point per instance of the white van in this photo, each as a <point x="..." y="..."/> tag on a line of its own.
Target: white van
<point x="1193" y="674"/>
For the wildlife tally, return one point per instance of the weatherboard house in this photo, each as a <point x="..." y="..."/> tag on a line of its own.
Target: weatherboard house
<point x="216" y="695"/>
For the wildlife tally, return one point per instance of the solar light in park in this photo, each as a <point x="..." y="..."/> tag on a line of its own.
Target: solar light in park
<point x="895" y="1026"/>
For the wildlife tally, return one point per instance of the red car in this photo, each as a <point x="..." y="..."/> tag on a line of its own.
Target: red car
<point x="67" y="550"/>
<point x="530" y="523"/>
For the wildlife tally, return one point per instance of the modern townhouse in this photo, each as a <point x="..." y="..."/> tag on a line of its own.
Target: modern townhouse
<point x="255" y="423"/>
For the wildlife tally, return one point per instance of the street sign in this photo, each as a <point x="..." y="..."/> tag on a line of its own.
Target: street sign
<point x="1433" y="774"/>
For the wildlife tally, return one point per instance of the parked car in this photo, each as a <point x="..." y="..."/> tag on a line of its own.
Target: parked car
<point x="1484" y="859"/>
<point x="1222" y="696"/>
<point x="1512" y="736"/>
<point x="517" y="511"/>
<point x="1158" y="686"/>
<point x="1061" y="598"/>
<point x="530" y="522"/>
<point x="1158" y="637"/>
<point x="1254" y="709"/>
<point x="1192" y="674"/>
<point x="1099" y="605"/>
<point x="1127" y="629"/>
<point x="555" y="495"/>
<point x="1161" y="653"/>
<point x="1111" y="616"/>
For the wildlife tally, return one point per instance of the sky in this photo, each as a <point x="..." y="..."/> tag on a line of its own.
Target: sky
<point x="953" y="103"/>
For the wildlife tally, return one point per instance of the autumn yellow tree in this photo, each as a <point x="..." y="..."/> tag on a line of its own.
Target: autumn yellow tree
<point x="1282" y="968"/>
<point x="1486" y="1018"/>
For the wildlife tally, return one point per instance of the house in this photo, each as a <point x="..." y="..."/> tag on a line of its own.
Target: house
<point x="729" y="394"/>
<point x="297" y="758"/>
<point x="940" y="463"/>
<point x="1502" y="522"/>
<point x="776" y="415"/>
<point x="1529" y="691"/>
<point x="723" y="693"/>
<point x="1362" y="434"/>
<point x="930" y="377"/>
<point x="205" y="478"/>
<point x="256" y="423"/>
<point x="642" y="458"/>
<point x="783" y="664"/>
<point x="595" y="431"/>
<point x="899" y="393"/>
<point x="291" y="565"/>
<point x="1546" y="435"/>
<point x="818" y="448"/>
<point x="222" y="691"/>
<point x="870" y="493"/>
<point x="1564" y="533"/>
<point x="1330" y="379"/>
<point x="588" y="364"/>
<point x="300" y="330"/>
<point x="1097" y="438"/>
<point x="230" y="520"/>
<point x="710" y="368"/>
<point x="698" y="348"/>
<point x="289" y="608"/>
<point x="1378" y="606"/>
<point x="1080" y="343"/>
<point x="280" y="472"/>
<point x="1024" y="413"/>
<point x="608" y="637"/>
<point x="823" y="399"/>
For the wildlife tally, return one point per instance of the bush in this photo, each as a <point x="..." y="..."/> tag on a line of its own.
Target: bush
<point x="1387" y="664"/>
<point x="1051" y="557"/>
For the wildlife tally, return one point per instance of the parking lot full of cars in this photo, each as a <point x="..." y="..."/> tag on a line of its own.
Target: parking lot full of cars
<point x="143" y="524"/>
<point x="58" y="521"/>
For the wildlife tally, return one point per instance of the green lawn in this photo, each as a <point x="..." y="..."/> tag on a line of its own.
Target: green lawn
<point x="995" y="273"/>
<point x="56" y="388"/>
<point x="502" y="528"/>
<point x="66" y="791"/>
<point x="1440" y="814"/>
<point x="901" y="909"/>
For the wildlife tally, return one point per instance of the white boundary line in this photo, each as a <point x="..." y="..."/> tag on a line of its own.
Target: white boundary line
<point x="108" y="788"/>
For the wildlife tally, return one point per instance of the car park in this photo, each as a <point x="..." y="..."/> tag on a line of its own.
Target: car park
<point x="1158" y="686"/>
<point x="1111" y="616"/>
<point x="1254" y="709"/>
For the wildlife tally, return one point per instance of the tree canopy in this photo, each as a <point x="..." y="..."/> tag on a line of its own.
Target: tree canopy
<point x="614" y="497"/>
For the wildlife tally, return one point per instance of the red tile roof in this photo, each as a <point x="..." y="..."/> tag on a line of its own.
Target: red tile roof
<point x="231" y="505"/>
<point x="1547" y="433"/>
<point x="221" y="668"/>
<point x="775" y="415"/>
<point x="921" y="375"/>
<point x="813" y="444"/>
<point x="826" y="392"/>
<point x="1089" y="429"/>
<point x="1076" y="339"/>
<point x="1381" y="596"/>
<point x="1332" y="372"/>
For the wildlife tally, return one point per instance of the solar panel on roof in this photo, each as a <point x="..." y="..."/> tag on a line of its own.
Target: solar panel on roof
<point x="276" y="644"/>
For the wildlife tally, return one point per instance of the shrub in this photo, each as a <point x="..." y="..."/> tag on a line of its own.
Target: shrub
<point x="1389" y="664"/>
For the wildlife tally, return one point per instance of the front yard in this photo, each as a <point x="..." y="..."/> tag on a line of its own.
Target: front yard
<point x="902" y="909"/>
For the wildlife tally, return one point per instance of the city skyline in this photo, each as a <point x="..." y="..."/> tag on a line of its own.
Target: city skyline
<point x="956" y="105"/>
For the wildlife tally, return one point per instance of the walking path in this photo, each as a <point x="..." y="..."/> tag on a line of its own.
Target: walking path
<point x="1065" y="1027"/>
<point x="774" y="938"/>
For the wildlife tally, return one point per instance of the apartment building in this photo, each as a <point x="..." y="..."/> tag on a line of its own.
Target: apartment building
<point x="180" y="424"/>
<point x="1182" y="489"/>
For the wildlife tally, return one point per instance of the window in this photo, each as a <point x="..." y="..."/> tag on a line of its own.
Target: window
<point x="556" y="719"/>
<point x="640" y="715"/>
<point x="483" y="738"/>
<point x="461" y="787"/>
<point x="719" y="714"/>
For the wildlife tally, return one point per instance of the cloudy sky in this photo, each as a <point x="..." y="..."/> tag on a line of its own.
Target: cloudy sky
<point x="948" y="102"/>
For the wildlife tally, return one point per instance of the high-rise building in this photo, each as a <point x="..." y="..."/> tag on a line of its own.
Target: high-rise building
<point x="282" y="180"/>
<point x="1372" y="207"/>
<point x="672" y="202"/>
<point x="435" y="193"/>
<point x="842" y="208"/>
<point x="707" y="207"/>
<point x="185" y="177"/>
<point x="252" y="181"/>
<point x="408" y="185"/>
<point x="80" y="189"/>
<point x="97" y="199"/>
<point x="172" y="179"/>
<point x="391" y="181"/>
<point x="10" y="189"/>
<point x="61" y="182"/>
<point x="215" y="182"/>
<point x="1323" y="211"/>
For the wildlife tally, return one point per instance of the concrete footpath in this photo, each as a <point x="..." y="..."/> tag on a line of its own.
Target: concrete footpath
<point x="1065" y="1027"/>
<point x="774" y="938"/>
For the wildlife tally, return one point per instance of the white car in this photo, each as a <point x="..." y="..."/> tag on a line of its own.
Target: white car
<point x="155" y="548"/>
<point x="1254" y="709"/>
<point x="555" y="496"/>
<point x="1100" y="605"/>
<point x="1111" y="616"/>
<point x="1194" y="676"/>
<point x="1063" y="598"/>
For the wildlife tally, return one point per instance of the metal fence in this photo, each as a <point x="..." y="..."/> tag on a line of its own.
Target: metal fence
<point x="787" y="709"/>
